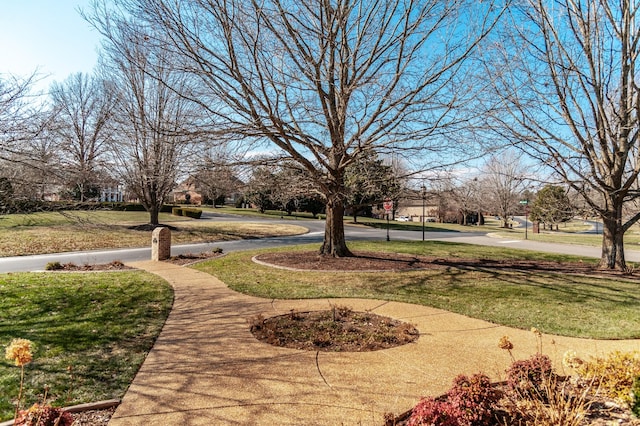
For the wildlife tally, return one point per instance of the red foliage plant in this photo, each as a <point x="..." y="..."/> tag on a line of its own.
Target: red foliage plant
<point x="469" y="402"/>
<point x="526" y="377"/>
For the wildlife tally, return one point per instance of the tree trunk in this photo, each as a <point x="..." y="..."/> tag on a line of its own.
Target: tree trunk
<point x="612" y="242"/>
<point x="154" y="213"/>
<point x="334" y="243"/>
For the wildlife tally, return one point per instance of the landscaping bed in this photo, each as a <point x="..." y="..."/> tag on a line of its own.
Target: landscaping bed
<point x="380" y="261"/>
<point x="337" y="330"/>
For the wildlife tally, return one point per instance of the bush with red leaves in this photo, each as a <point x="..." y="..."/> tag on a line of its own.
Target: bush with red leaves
<point x="469" y="402"/>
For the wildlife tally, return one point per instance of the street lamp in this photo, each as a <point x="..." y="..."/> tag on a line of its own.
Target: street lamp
<point x="526" y="216"/>
<point x="424" y="199"/>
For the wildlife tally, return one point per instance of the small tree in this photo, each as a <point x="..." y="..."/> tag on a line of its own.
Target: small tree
<point x="215" y="180"/>
<point x="504" y="180"/>
<point x="551" y="206"/>
<point x="259" y="190"/>
<point x="291" y="183"/>
<point x="368" y="181"/>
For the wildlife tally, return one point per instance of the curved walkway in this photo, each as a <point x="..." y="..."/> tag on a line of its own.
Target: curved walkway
<point x="207" y="369"/>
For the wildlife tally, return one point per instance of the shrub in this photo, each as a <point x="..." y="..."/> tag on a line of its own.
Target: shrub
<point x="557" y="404"/>
<point x="635" y="396"/>
<point x="614" y="374"/>
<point x="43" y="415"/>
<point x="192" y="213"/>
<point x="186" y="211"/>
<point x="469" y="402"/>
<point x="473" y="399"/>
<point x="525" y="377"/>
<point x="53" y="266"/>
<point x="430" y="411"/>
<point x="123" y="207"/>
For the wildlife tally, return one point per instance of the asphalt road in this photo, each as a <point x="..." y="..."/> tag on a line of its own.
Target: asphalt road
<point x="315" y="235"/>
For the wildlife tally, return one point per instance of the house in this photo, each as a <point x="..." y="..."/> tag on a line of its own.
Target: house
<point x="186" y="193"/>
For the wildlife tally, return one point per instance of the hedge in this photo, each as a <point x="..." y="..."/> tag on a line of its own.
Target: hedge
<point x="187" y="211"/>
<point x="32" y="206"/>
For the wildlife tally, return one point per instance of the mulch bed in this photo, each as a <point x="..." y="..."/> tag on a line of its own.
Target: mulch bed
<point x="376" y="262"/>
<point x="189" y="258"/>
<point x="337" y="330"/>
<point x="116" y="265"/>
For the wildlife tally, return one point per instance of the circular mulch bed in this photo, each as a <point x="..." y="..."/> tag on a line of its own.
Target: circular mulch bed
<point x="363" y="261"/>
<point x="339" y="329"/>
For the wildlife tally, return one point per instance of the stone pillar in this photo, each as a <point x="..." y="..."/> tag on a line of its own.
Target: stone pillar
<point x="536" y="227"/>
<point x="160" y="244"/>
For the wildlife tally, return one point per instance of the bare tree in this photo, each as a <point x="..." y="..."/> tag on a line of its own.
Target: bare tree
<point x="467" y="194"/>
<point x="260" y="189"/>
<point x="17" y="113"/>
<point x="82" y="109"/>
<point x="216" y="178"/>
<point x="324" y="81"/>
<point x="566" y="78"/>
<point x="504" y="181"/>
<point x="152" y="122"/>
<point x="291" y="184"/>
<point x="27" y="159"/>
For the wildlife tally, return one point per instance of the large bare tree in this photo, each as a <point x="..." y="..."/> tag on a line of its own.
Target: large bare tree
<point x="27" y="159"/>
<point x="152" y="136"/>
<point x="20" y="114"/>
<point x="566" y="77"/>
<point x="82" y="109"/>
<point x="322" y="81"/>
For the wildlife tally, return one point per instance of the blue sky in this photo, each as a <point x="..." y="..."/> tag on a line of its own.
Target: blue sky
<point x="48" y="35"/>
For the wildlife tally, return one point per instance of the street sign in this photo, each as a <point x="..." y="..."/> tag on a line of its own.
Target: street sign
<point x="524" y="201"/>
<point x="388" y="206"/>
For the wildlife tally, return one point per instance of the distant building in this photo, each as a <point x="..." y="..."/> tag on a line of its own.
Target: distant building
<point x="186" y="192"/>
<point x="112" y="194"/>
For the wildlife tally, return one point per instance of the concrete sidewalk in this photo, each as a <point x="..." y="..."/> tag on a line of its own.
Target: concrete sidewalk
<point x="207" y="369"/>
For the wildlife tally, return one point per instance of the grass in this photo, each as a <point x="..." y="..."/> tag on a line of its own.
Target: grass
<point x="570" y="305"/>
<point x="568" y="233"/>
<point x="38" y="233"/>
<point x="100" y="324"/>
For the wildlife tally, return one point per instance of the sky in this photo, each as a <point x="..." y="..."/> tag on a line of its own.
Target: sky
<point x="46" y="35"/>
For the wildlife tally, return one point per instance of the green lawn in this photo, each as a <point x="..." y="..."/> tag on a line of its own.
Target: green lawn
<point x="568" y="233"/>
<point x="101" y="325"/>
<point x="570" y="305"/>
<point x="37" y="233"/>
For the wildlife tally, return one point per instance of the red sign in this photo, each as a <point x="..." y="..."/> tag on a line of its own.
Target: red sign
<point x="388" y="205"/>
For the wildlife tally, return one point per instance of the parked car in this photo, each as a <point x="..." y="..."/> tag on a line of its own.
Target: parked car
<point x="402" y="219"/>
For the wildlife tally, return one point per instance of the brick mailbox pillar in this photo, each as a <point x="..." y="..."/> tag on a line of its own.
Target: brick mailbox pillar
<point x="160" y="244"/>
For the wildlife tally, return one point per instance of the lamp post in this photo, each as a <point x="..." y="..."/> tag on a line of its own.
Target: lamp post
<point x="424" y="199"/>
<point x="526" y="220"/>
<point x="526" y="216"/>
<point x="388" y="208"/>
